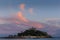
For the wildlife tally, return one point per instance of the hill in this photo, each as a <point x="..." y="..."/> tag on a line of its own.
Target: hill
<point x="31" y="33"/>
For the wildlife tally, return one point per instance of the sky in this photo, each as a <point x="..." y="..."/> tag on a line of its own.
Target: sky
<point x="30" y="12"/>
<point x="42" y="9"/>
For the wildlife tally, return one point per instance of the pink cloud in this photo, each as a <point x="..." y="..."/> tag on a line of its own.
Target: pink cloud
<point x="22" y="6"/>
<point x="21" y="17"/>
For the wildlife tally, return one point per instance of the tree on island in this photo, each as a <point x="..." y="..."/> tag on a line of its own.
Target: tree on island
<point x="33" y="32"/>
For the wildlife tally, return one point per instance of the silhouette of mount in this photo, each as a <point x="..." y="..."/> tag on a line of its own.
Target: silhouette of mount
<point x="31" y="33"/>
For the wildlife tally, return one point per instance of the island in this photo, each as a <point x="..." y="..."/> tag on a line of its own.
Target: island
<point x="31" y="33"/>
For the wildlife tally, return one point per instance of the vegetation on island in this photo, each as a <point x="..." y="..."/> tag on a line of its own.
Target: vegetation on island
<point x="31" y="33"/>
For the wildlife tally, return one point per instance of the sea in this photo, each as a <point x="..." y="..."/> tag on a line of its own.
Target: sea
<point x="34" y="39"/>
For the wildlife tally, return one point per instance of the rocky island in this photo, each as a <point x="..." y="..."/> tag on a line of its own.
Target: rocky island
<point x="31" y="33"/>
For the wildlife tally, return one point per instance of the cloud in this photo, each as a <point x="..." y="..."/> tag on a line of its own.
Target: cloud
<point x="22" y="6"/>
<point x="37" y="25"/>
<point x="8" y="20"/>
<point x="14" y="19"/>
<point x="31" y="10"/>
<point x="3" y="21"/>
<point x="21" y="17"/>
<point x="52" y="19"/>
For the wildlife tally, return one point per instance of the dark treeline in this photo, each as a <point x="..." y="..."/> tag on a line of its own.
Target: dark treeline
<point x="31" y="32"/>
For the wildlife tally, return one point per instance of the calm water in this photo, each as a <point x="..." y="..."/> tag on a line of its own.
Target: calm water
<point x="34" y="39"/>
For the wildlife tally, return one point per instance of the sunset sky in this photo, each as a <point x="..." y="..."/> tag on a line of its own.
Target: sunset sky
<point x="41" y="9"/>
<point x="30" y="12"/>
